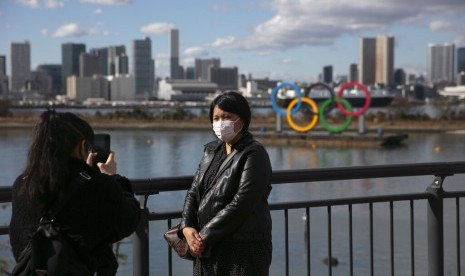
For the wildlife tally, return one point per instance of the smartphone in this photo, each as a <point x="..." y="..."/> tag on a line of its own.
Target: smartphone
<point x="102" y="147"/>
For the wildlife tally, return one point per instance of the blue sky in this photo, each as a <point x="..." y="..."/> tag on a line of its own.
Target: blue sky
<point x="290" y="40"/>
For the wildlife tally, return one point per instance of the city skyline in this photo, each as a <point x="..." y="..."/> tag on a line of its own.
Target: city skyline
<point x="279" y="39"/>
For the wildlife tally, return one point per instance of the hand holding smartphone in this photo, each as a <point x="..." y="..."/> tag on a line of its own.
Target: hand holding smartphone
<point x="101" y="146"/>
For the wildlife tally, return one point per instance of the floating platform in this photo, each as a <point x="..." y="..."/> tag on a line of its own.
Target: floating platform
<point x="325" y="139"/>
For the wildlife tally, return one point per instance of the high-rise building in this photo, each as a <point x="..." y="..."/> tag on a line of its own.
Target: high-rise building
<point x="114" y="53"/>
<point x="461" y="60"/>
<point x="400" y="77"/>
<point x="54" y="71"/>
<point x="143" y="68"/>
<point x="202" y="67"/>
<point x="2" y="65"/>
<point x="353" y="72"/>
<point x="100" y="60"/>
<point x="385" y="60"/>
<point x="367" y="61"/>
<point x="174" y="55"/>
<point x="441" y="63"/>
<point x="190" y="73"/>
<point x="121" y="65"/>
<point x="70" y="60"/>
<point x="90" y="64"/>
<point x="376" y="60"/>
<point x="3" y="76"/>
<point x="328" y="74"/>
<point x="20" y="58"/>
<point x="225" y="78"/>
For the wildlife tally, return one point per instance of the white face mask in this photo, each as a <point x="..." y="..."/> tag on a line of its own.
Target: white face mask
<point x="224" y="130"/>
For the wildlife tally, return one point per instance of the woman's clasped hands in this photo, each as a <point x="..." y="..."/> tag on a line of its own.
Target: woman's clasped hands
<point x="194" y="240"/>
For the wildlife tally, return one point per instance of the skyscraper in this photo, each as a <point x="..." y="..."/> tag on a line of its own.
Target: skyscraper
<point x="376" y="60"/>
<point x="367" y="61"/>
<point x="20" y="58"/>
<point x="100" y="60"/>
<point x="174" y="55"/>
<point x="143" y="68"/>
<point x="461" y="60"/>
<point x="114" y="53"/>
<point x="202" y="67"/>
<point x="54" y="71"/>
<point x="2" y="65"/>
<point x="3" y="77"/>
<point x="353" y="72"/>
<point x="328" y="74"/>
<point x="385" y="60"/>
<point x="70" y="60"/>
<point x="89" y="64"/>
<point x="121" y="65"/>
<point x="225" y="78"/>
<point x="441" y="63"/>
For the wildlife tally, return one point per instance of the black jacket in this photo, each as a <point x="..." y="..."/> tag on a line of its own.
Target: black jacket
<point x="101" y="211"/>
<point x="235" y="207"/>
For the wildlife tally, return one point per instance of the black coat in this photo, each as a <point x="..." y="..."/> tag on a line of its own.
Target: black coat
<point x="102" y="211"/>
<point x="235" y="208"/>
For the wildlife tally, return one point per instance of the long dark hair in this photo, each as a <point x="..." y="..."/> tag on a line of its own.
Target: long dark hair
<point x="233" y="102"/>
<point x="55" y="136"/>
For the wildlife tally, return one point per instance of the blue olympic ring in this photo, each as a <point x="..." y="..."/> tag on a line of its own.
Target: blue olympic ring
<point x="282" y="111"/>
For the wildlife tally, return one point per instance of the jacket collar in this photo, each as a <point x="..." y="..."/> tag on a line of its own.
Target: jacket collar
<point x="245" y="140"/>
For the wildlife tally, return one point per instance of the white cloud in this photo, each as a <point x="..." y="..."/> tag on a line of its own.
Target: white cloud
<point x="35" y="4"/>
<point x="69" y="30"/>
<point x="195" y="52"/>
<point x="321" y="22"/>
<point x="29" y="3"/>
<point x="441" y="26"/>
<point x="98" y="11"/>
<point x="52" y="4"/>
<point x="224" y="42"/>
<point x="44" y="32"/>
<point x="107" y="2"/>
<point x="157" y="28"/>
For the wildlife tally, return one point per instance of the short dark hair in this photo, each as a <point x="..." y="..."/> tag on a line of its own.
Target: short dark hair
<point x="233" y="102"/>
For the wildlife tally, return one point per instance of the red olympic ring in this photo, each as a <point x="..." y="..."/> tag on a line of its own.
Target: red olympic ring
<point x="366" y="105"/>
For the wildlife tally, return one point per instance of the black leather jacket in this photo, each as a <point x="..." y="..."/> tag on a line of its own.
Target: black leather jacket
<point x="235" y="208"/>
<point x="101" y="212"/>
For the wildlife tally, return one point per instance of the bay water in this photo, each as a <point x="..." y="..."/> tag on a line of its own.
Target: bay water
<point x="150" y="154"/>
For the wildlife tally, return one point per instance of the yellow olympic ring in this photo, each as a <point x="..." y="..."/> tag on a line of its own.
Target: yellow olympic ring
<point x="308" y="127"/>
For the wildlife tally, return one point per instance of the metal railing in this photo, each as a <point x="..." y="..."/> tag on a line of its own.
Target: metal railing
<point x="434" y="195"/>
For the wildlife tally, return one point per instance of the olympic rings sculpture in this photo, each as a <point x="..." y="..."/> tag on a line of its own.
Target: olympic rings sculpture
<point x="319" y="113"/>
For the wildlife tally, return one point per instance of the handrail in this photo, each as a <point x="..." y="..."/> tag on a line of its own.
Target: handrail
<point x="163" y="184"/>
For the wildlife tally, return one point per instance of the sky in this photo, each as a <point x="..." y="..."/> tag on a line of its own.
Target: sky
<point x="287" y="40"/>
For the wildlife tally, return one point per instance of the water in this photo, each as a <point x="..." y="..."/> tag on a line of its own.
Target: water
<point x="149" y="154"/>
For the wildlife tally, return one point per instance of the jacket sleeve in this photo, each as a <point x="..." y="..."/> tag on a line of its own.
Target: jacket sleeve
<point x="254" y="186"/>
<point x="128" y="214"/>
<point x="189" y="212"/>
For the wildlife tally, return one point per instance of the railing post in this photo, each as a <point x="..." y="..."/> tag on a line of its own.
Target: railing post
<point x="435" y="228"/>
<point x="140" y="242"/>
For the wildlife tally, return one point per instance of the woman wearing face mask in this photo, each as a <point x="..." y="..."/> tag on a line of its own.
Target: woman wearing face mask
<point x="226" y="219"/>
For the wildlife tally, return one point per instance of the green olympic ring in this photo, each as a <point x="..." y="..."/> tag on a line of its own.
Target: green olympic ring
<point x="335" y="129"/>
